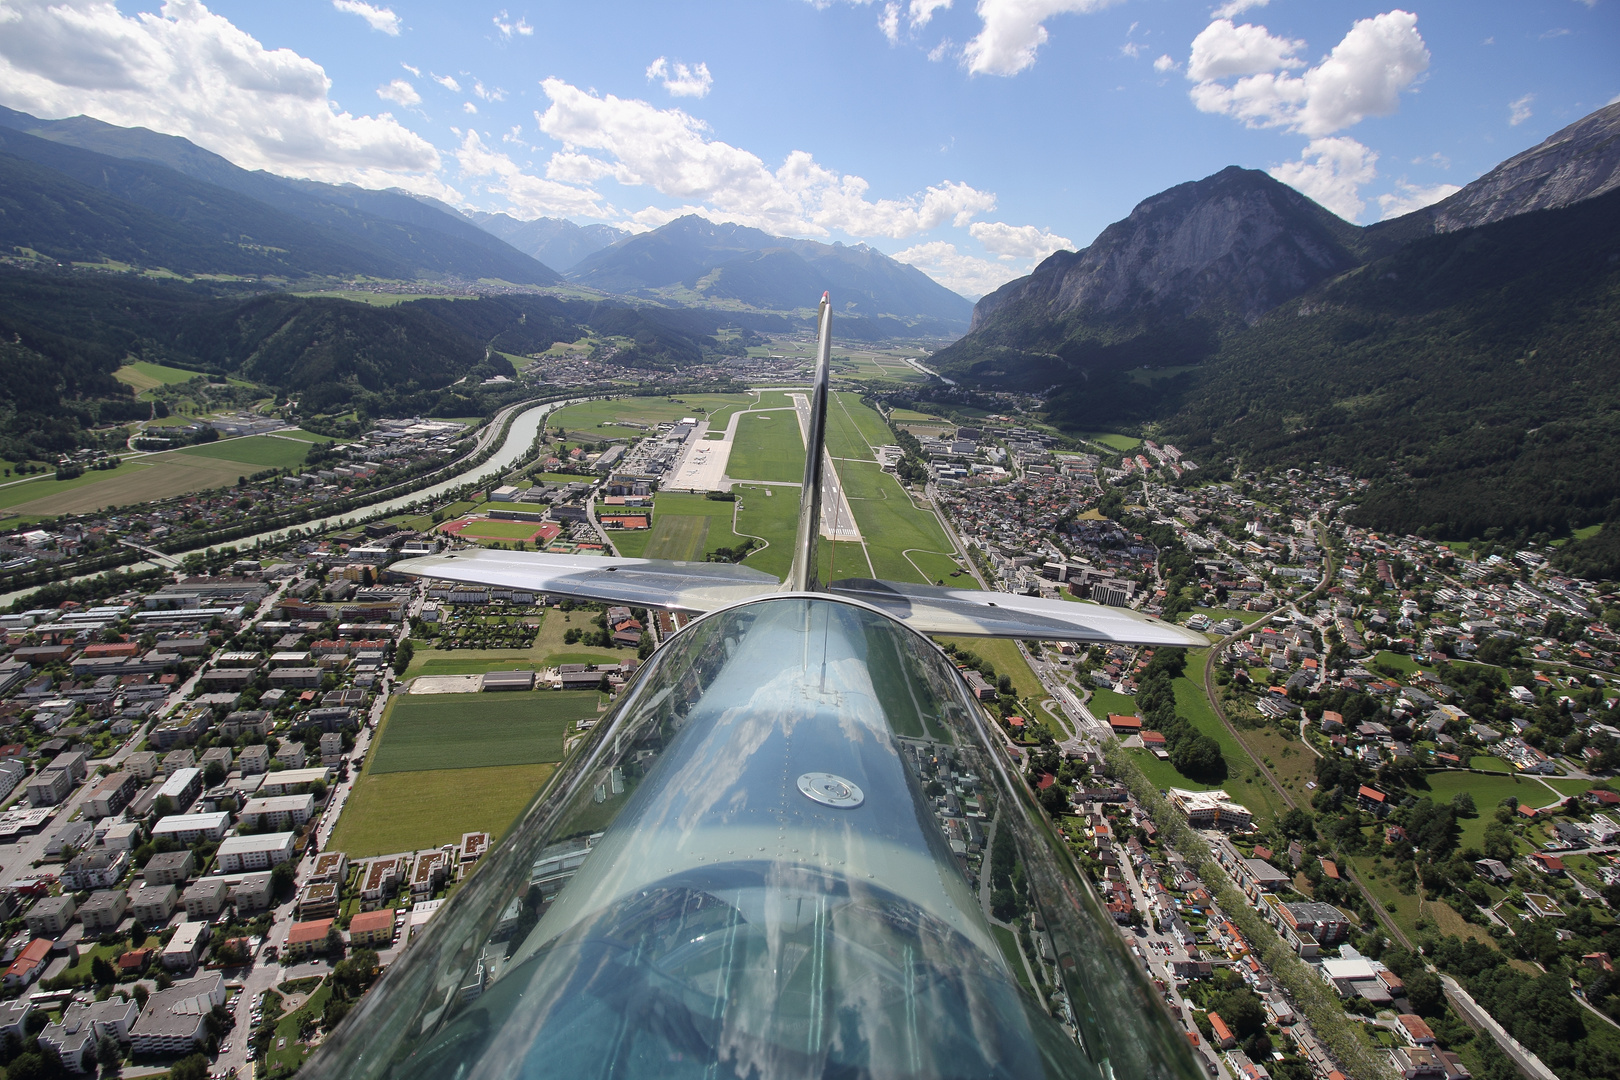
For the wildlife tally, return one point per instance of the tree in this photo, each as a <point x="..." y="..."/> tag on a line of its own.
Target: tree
<point x="1199" y="757"/>
<point x="194" y="1067"/>
<point x="214" y="773"/>
<point x="282" y="876"/>
<point x="102" y="971"/>
<point x="109" y="1055"/>
<point x="402" y="655"/>
<point x="335" y="946"/>
<point x="1424" y="992"/>
<point x="1462" y="804"/>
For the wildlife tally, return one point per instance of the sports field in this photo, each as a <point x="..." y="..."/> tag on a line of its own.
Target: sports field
<point x="265" y="451"/>
<point x="470" y="731"/>
<point x="768" y="446"/>
<point x="489" y="529"/>
<point x="409" y="811"/>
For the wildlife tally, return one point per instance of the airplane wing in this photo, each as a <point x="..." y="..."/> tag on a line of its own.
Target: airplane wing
<point x="654" y="583"/>
<point x="929" y="609"/>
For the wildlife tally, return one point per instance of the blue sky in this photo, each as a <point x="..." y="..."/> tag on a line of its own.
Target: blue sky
<point x="970" y="138"/>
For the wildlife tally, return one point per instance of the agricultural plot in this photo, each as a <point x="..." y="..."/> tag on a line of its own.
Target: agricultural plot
<point x="406" y="811"/>
<point x="265" y="451"/>
<point x="470" y="731"/>
<point x="160" y="476"/>
<point x="767" y="446"/>
<point x="686" y="527"/>
<point x="144" y="375"/>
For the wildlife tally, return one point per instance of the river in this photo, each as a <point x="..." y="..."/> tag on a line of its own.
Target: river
<point x="521" y="435"/>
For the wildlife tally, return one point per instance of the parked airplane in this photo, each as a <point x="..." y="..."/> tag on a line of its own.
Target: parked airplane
<point x="797" y="848"/>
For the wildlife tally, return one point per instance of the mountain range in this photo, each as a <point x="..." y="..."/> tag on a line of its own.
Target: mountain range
<point x="1451" y="353"/>
<point x="79" y="191"/>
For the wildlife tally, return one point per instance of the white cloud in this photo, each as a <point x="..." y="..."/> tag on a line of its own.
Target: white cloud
<point x="528" y="195"/>
<point x="413" y="70"/>
<point x="942" y="50"/>
<point x="958" y="271"/>
<point x="447" y="81"/>
<point x="1331" y="171"/>
<point x="569" y="167"/>
<point x="1017" y="241"/>
<point x="671" y="152"/>
<point x="1221" y="50"/>
<point x="1363" y="76"/>
<point x="507" y="28"/>
<point x="889" y="22"/>
<point x="1014" y="30"/>
<point x="399" y="92"/>
<point x="679" y="79"/>
<point x="1165" y="63"/>
<point x="496" y="94"/>
<point x="468" y="107"/>
<point x="1409" y="197"/>
<point x="379" y="18"/>
<point x="1132" y="49"/>
<point x="922" y="11"/>
<point x="1519" y="111"/>
<point x="186" y="71"/>
<point x="1233" y="8"/>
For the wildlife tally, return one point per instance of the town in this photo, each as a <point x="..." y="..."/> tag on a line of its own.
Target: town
<point x="1350" y="837"/>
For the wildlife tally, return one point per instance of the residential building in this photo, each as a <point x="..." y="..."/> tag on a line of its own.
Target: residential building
<point x="186" y="947"/>
<point x="182" y="787"/>
<point x="83" y="1026"/>
<point x="252" y="894"/>
<point x="154" y="904"/>
<point x="29" y="963"/>
<point x="49" y="787"/>
<point x="291" y="755"/>
<point x="174" y="1022"/>
<point x="381" y="879"/>
<point x="1210" y="809"/>
<point x="50" y="916"/>
<point x="204" y="898"/>
<point x="144" y="764"/>
<point x="111" y="795"/>
<point x="175" y="760"/>
<point x="331" y="866"/>
<point x="331" y="748"/>
<point x="187" y="829"/>
<point x="428" y="877"/>
<point x="278" y="811"/>
<point x="307" y="938"/>
<point x="169" y="868"/>
<point x="372" y="929"/>
<point x="102" y="913"/>
<point x="98" y="868"/>
<point x="239" y="854"/>
<point x="318" y="900"/>
<point x="294" y="781"/>
<point x="254" y="759"/>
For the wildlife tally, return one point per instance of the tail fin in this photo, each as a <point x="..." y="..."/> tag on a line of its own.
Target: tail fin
<point x="803" y="577"/>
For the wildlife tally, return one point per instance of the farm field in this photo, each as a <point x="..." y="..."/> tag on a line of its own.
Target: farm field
<point x="407" y="811"/>
<point x="686" y="527"/>
<point x="265" y="451"/>
<point x="144" y="375"/>
<point x="768" y="446"/>
<point x="469" y="731"/>
<point x="548" y="650"/>
<point x="159" y="476"/>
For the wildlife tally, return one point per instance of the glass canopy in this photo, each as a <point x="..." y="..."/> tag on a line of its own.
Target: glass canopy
<point x="771" y="860"/>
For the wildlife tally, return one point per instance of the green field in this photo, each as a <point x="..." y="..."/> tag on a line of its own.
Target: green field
<point x="605" y="419"/>
<point x="470" y="731"/>
<point x="853" y="428"/>
<point x="686" y="527"/>
<point x="304" y="436"/>
<point x="265" y="451"/>
<point x="891" y="524"/>
<point x="768" y="446"/>
<point x="1106" y="703"/>
<point x="912" y="416"/>
<point x="501" y="530"/>
<point x="144" y="375"/>
<point x="407" y="811"/>
<point x="1114" y="442"/>
<point x="1487" y="792"/>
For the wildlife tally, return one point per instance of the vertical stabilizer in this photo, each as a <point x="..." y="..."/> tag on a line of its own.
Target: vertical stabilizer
<point x="803" y="577"/>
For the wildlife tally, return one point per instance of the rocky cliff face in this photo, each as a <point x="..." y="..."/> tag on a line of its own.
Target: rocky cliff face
<point x="1233" y="245"/>
<point x="1579" y="162"/>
